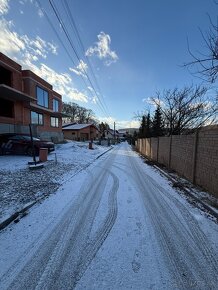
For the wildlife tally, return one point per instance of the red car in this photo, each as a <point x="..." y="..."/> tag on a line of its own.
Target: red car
<point x="21" y="144"/>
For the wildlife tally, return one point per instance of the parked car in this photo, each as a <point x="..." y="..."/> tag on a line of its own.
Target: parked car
<point x="21" y="144"/>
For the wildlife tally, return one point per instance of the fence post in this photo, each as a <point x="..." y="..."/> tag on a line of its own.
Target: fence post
<point x="170" y="150"/>
<point x="150" y="148"/>
<point x="157" y="148"/>
<point x="194" y="157"/>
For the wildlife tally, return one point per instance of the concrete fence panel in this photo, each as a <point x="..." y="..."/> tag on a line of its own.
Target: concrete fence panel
<point x="193" y="156"/>
<point x="164" y="150"/>
<point x="206" y="174"/>
<point x="154" y="148"/>
<point x="182" y="155"/>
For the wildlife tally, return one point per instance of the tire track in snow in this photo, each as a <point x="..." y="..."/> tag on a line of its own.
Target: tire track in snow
<point x="198" y="237"/>
<point x="180" y="251"/>
<point x="102" y="233"/>
<point x="50" y="236"/>
<point x="75" y="238"/>
<point x="70" y="238"/>
<point x="195" y="233"/>
<point x="76" y="225"/>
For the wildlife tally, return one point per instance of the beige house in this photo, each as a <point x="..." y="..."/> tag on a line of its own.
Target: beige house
<point x="80" y="132"/>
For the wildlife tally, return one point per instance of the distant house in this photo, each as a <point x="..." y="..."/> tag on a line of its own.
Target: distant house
<point x="80" y="132"/>
<point x="110" y="134"/>
<point x="26" y="99"/>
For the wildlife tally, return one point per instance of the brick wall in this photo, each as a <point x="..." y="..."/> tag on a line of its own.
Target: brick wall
<point x="15" y="69"/>
<point x="194" y="156"/>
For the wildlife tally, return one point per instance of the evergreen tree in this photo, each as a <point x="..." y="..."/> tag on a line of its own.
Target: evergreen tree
<point x="148" y="126"/>
<point x="142" y="129"/>
<point x="145" y="128"/>
<point x="157" y="124"/>
<point x="103" y="127"/>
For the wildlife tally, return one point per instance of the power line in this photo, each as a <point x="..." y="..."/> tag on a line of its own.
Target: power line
<point x="74" y="26"/>
<point x="74" y="49"/>
<point x="54" y="30"/>
<point x="101" y="106"/>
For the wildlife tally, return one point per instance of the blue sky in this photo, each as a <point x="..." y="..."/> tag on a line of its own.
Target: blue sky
<point x="133" y="47"/>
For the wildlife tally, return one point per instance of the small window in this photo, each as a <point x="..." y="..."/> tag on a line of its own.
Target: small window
<point x="55" y="105"/>
<point x="36" y="118"/>
<point x="54" y="122"/>
<point x="42" y="97"/>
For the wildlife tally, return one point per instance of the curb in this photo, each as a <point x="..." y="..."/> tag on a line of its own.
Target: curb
<point x="15" y="215"/>
<point x="104" y="153"/>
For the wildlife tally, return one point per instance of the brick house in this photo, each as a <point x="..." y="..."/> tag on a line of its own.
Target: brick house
<point x="26" y="99"/>
<point x="80" y="132"/>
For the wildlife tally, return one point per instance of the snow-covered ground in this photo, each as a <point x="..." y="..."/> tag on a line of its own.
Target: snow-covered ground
<point x="20" y="186"/>
<point x="117" y="224"/>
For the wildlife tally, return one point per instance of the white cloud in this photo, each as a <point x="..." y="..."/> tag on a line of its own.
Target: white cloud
<point x="28" y="52"/>
<point x="102" y="49"/>
<point x="74" y="94"/>
<point x="4" y="7"/>
<point x="81" y="69"/>
<point x="40" y="13"/>
<point x="90" y="88"/>
<point x="10" y="41"/>
<point x="127" y="124"/>
<point x="153" y="101"/>
<point x="120" y="124"/>
<point x="94" y="99"/>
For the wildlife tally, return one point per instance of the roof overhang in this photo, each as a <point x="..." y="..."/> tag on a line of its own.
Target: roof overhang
<point x="13" y="95"/>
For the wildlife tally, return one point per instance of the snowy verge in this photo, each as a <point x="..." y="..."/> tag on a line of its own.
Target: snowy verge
<point x="194" y="194"/>
<point x="20" y="188"/>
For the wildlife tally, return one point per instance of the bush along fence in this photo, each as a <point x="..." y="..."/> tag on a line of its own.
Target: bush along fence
<point x="193" y="156"/>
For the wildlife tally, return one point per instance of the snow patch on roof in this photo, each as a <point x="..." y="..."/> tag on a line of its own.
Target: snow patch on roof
<point x="76" y="126"/>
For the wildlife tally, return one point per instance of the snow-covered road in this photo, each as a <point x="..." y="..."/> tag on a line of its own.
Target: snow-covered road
<point x="116" y="225"/>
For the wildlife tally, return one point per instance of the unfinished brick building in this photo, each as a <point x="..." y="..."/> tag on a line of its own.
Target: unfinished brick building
<point x="26" y="99"/>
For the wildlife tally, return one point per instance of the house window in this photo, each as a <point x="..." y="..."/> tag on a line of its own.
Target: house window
<point x="55" y="105"/>
<point x="36" y="118"/>
<point x="54" y="122"/>
<point x="6" y="108"/>
<point x="42" y="97"/>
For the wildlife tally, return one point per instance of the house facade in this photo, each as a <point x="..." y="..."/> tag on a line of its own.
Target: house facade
<point x="80" y="132"/>
<point x="25" y="99"/>
<point x="111" y="134"/>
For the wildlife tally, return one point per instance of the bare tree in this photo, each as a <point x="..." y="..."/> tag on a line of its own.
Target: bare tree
<point x="207" y="63"/>
<point x="187" y="108"/>
<point x="76" y="113"/>
<point x="70" y="109"/>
